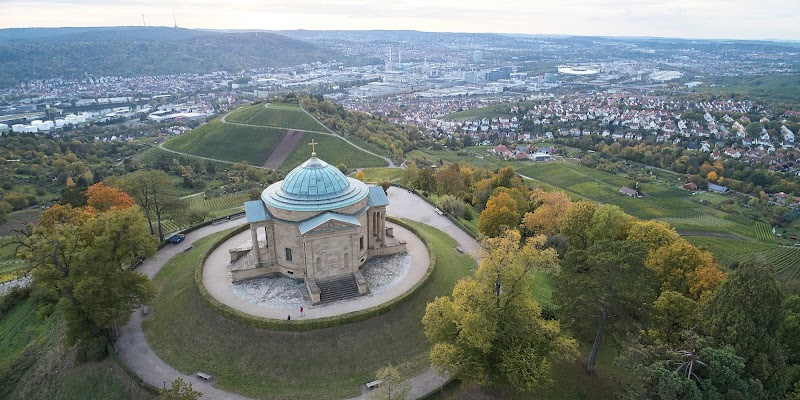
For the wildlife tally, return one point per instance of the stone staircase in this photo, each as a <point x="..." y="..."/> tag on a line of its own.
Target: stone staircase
<point x="339" y="288"/>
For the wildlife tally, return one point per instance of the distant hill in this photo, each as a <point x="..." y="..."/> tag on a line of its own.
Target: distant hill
<point x="255" y="134"/>
<point x="41" y="53"/>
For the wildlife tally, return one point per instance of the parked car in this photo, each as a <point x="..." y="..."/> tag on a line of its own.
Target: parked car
<point x="177" y="238"/>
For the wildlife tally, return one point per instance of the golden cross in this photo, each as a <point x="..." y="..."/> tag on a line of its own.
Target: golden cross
<point x="312" y="144"/>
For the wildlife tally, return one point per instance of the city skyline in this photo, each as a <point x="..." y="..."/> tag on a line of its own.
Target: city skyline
<point x="701" y="19"/>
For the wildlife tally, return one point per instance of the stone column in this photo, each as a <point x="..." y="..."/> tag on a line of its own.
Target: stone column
<point x="382" y="223"/>
<point x="271" y="234"/>
<point x="256" y="250"/>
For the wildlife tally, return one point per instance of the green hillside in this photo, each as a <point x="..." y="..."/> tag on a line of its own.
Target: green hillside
<point x="34" y="363"/>
<point x="228" y="142"/>
<point x="334" y="151"/>
<point x="279" y="115"/>
<point x="224" y="139"/>
<point x="138" y="51"/>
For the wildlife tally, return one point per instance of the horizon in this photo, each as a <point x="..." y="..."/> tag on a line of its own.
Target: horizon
<point x="765" y="20"/>
<point x="547" y="35"/>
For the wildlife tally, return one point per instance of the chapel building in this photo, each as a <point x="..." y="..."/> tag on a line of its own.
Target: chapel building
<point x="318" y="225"/>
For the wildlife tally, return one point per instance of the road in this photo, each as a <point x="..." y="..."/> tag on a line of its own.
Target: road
<point x="137" y="354"/>
<point x="24" y="281"/>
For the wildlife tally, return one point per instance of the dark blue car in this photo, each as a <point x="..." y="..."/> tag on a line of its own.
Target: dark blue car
<point x="177" y="238"/>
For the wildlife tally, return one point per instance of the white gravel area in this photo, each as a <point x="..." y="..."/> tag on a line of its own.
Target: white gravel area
<point x="273" y="292"/>
<point x="382" y="273"/>
<point x="281" y="292"/>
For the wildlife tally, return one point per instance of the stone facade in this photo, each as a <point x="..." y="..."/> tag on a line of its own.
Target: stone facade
<point x="314" y="225"/>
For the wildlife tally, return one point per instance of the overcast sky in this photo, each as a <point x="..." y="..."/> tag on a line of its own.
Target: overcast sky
<point x="737" y="19"/>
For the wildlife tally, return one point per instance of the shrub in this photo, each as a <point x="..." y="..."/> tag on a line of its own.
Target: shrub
<point x="14" y="297"/>
<point x="452" y="205"/>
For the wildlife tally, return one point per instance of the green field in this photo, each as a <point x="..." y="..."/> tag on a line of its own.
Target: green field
<point x="334" y="151"/>
<point x="278" y="115"/>
<point x="213" y="204"/>
<point x="660" y="201"/>
<point x="229" y="142"/>
<point x="378" y="175"/>
<point x="216" y="207"/>
<point x="786" y="260"/>
<point x="482" y="112"/>
<point x="186" y="333"/>
<point x="34" y="363"/>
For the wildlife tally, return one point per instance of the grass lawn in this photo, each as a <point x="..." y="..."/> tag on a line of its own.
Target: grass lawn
<point x="34" y="363"/>
<point x="570" y="381"/>
<point x="327" y="364"/>
<point x="334" y="151"/>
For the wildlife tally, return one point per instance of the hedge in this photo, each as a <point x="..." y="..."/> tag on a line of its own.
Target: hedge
<point x="310" y="324"/>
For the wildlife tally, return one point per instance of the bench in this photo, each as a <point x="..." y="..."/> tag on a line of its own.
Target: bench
<point x="188" y="248"/>
<point x="374" y="384"/>
<point x="438" y="211"/>
<point x="204" y="376"/>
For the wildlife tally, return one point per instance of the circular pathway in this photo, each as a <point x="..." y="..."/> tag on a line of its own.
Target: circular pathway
<point x="216" y="281"/>
<point x="137" y="354"/>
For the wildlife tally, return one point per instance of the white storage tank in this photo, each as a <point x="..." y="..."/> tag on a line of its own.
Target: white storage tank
<point x="31" y="129"/>
<point x="18" y="128"/>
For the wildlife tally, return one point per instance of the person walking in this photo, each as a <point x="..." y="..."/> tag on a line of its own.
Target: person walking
<point x="301" y="312"/>
<point x="288" y="317"/>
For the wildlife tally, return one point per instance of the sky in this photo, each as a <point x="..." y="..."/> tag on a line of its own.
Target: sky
<point x="712" y="19"/>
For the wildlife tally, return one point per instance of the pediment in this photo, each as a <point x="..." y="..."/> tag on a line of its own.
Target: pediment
<point x="333" y="226"/>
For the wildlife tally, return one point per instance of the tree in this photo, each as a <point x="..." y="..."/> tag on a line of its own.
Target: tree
<point x="500" y="212"/>
<point x="604" y="290"/>
<point x="653" y="234"/>
<point x="385" y="186"/>
<point x="609" y="222"/>
<point x="576" y="222"/>
<point x="708" y="374"/>
<point x="746" y="312"/>
<point x="674" y="317"/>
<point x="5" y="208"/>
<point x="155" y="194"/>
<point x="550" y="207"/>
<point x="683" y="268"/>
<point x="491" y="330"/>
<point x="791" y="330"/>
<point x="360" y="176"/>
<point x="179" y="390"/>
<point x="342" y="168"/>
<point x="425" y="180"/>
<point x="103" y="198"/>
<point x="80" y="262"/>
<point x="450" y="180"/>
<point x="394" y="387"/>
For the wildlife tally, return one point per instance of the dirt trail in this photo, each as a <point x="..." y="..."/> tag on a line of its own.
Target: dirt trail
<point x="286" y="145"/>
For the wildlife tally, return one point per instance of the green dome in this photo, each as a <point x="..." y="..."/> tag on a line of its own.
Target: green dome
<point x="314" y="186"/>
